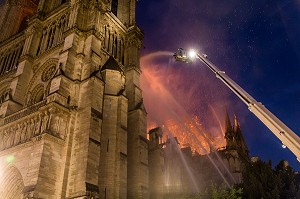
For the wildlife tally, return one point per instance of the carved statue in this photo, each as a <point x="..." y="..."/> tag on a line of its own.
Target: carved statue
<point x="27" y="130"/>
<point x="38" y="122"/>
<point x="29" y="100"/>
<point x="31" y="129"/>
<point x="1" y="140"/>
<point x="45" y="122"/>
<point x="18" y="134"/>
<point x="55" y="124"/>
<point x="12" y="135"/>
<point x="23" y="132"/>
<point x="9" y="138"/>
<point x="5" y="137"/>
<point x="63" y="128"/>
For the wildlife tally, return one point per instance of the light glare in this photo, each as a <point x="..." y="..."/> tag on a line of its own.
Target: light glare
<point x="192" y="54"/>
<point x="10" y="159"/>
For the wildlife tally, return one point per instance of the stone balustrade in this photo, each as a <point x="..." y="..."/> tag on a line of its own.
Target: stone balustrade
<point x="24" y="112"/>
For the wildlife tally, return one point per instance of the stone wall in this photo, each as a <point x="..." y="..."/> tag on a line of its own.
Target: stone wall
<point x="66" y="112"/>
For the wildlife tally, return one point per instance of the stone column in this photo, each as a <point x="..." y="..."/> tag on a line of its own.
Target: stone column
<point x="113" y="159"/>
<point x="137" y="142"/>
<point x="156" y="164"/>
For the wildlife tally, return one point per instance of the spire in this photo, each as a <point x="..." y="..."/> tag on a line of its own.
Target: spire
<point x="241" y="144"/>
<point x="228" y="126"/>
<point x="228" y="132"/>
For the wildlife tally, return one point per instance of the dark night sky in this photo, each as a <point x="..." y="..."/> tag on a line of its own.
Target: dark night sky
<point x="257" y="43"/>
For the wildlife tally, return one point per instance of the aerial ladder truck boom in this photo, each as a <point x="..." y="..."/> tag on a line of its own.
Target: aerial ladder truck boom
<point x="279" y="129"/>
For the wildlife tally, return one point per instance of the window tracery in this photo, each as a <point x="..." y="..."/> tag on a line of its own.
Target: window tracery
<point x="39" y="85"/>
<point x="114" y="44"/>
<point x="52" y="34"/>
<point x="9" y="58"/>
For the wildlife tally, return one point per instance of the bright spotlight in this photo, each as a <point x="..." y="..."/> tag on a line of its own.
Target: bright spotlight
<point x="185" y="56"/>
<point x="192" y="54"/>
<point x="283" y="146"/>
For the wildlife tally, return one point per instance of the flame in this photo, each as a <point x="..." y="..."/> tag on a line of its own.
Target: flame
<point x="172" y="94"/>
<point x="191" y="134"/>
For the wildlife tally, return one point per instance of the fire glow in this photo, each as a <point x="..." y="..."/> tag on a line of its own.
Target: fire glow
<point x="183" y="100"/>
<point x="191" y="133"/>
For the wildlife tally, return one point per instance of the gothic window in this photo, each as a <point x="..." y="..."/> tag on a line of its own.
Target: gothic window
<point x="39" y="46"/>
<point x="107" y="146"/>
<point x="105" y="35"/>
<point x="114" y="7"/>
<point x="9" y="60"/>
<point x="37" y="95"/>
<point x="12" y="183"/>
<point x="119" y="50"/>
<point x="108" y="45"/>
<point x="115" y="47"/>
<point x="48" y="73"/>
<point x="122" y="51"/>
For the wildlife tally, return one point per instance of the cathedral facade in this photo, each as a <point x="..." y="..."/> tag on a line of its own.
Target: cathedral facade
<point x="72" y="124"/>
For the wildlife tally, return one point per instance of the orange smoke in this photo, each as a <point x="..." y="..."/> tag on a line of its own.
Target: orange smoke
<point x="180" y="97"/>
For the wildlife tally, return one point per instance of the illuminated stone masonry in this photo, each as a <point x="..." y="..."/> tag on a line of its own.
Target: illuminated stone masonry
<point x="33" y="121"/>
<point x="72" y="124"/>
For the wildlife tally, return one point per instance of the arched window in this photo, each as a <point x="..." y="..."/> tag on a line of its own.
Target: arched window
<point x="37" y="94"/>
<point x="11" y="183"/>
<point x="115" y="48"/>
<point x="109" y="43"/>
<point x="114" y="7"/>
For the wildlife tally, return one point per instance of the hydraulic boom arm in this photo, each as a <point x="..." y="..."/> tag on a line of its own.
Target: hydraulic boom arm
<point x="285" y="134"/>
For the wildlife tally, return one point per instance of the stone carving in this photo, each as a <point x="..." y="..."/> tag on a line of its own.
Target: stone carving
<point x="38" y="122"/>
<point x="23" y="134"/>
<point x="48" y="73"/>
<point x="45" y="121"/>
<point x="11" y="137"/>
<point x="63" y="128"/>
<point x="58" y="126"/>
<point x="36" y="95"/>
<point x="55" y="124"/>
<point x="18" y="134"/>
<point x="5" y="135"/>
<point x="29" y="195"/>
<point x="29" y="99"/>
<point x="31" y="128"/>
<point x="5" y="96"/>
<point x="1" y="140"/>
<point x="50" y="121"/>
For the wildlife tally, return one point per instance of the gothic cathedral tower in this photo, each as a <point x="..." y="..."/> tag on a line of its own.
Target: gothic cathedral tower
<point x="72" y="120"/>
